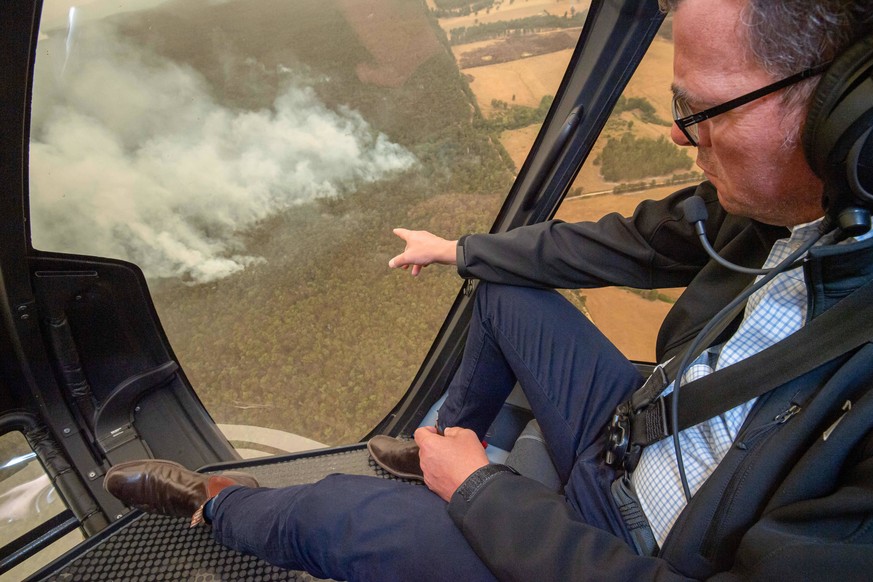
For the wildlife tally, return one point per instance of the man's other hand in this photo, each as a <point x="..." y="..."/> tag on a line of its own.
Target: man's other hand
<point x="423" y="249"/>
<point x="448" y="459"/>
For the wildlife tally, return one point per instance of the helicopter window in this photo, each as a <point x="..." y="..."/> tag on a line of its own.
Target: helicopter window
<point x="27" y="499"/>
<point x="633" y="160"/>
<point x="252" y="157"/>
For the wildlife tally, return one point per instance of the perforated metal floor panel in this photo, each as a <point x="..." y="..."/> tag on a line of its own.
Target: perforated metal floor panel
<point x="146" y="547"/>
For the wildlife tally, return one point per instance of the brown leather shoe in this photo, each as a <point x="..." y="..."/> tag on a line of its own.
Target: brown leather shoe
<point x="168" y="488"/>
<point x="398" y="457"/>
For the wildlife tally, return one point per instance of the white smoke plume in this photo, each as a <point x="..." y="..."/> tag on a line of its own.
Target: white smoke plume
<point x="131" y="157"/>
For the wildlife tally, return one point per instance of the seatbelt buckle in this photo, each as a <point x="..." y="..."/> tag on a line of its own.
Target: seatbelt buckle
<point x="631" y="430"/>
<point x="618" y="436"/>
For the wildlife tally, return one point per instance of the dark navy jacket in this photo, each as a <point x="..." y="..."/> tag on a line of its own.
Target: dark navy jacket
<point x="792" y="499"/>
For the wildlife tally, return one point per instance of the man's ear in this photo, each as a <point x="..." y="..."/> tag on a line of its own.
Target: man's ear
<point x="838" y="135"/>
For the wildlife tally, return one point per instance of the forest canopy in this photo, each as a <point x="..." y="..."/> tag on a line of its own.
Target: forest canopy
<point x="632" y="158"/>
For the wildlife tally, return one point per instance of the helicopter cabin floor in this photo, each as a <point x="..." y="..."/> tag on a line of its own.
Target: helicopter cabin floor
<point x="144" y="547"/>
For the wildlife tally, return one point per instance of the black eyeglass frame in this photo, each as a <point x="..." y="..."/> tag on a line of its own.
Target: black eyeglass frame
<point x="685" y="122"/>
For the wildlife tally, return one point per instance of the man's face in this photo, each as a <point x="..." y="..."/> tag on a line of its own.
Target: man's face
<point x="752" y="154"/>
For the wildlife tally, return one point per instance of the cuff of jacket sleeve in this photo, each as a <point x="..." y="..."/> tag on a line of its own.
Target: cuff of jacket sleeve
<point x="461" y="258"/>
<point x="479" y="479"/>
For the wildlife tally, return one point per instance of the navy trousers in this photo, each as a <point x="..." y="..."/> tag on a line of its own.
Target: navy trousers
<point x="349" y="527"/>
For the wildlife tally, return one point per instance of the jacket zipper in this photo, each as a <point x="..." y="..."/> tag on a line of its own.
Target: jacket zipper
<point x="750" y="441"/>
<point x="751" y="438"/>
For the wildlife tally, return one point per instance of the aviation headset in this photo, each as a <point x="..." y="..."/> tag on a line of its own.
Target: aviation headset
<point x="838" y="137"/>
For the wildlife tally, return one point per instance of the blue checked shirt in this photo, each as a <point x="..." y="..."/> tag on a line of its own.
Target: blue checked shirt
<point x="772" y="313"/>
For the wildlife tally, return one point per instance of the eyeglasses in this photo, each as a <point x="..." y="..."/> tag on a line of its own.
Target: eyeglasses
<point x="687" y="120"/>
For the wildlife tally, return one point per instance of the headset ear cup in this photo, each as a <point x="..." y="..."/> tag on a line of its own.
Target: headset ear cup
<point x="827" y="95"/>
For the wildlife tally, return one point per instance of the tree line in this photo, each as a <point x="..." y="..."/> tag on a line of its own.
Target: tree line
<point x="449" y="8"/>
<point x="519" y="26"/>
<point x="507" y="117"/>
<point x="633" y="158"/>
<point x="643" y="106"/>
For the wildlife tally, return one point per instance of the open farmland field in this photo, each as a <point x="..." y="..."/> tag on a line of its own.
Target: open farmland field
<point x="512" y="11"/>
<point x="593" y="207"/>
<point x="522" y="77"/>
<point x="532" y="78"/>
<point x="653" y="77"/>
<point x="521" y="82"/>
<point x="628" y="318"/>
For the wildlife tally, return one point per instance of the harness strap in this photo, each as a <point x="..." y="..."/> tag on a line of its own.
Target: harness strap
<point x="839" y="330"/>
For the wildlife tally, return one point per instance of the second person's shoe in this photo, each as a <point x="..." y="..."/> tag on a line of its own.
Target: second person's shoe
<point x="397" y="456"/>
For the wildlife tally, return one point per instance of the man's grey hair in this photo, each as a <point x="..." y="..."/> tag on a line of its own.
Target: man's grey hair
<point x="788" y="36"/>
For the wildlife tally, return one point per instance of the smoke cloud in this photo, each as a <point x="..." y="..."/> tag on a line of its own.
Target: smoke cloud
<point x="131" y="157"/>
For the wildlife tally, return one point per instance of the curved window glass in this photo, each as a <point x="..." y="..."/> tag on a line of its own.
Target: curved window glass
<point x="27" y="499"/>
<point x="633" y="160"/>
<point x="252" y="156"/>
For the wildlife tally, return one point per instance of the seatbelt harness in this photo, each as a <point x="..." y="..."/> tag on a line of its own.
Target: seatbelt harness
<point x="644" y="419"/>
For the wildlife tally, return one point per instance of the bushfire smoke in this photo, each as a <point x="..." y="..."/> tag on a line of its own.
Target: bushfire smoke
<point x="132" y="157"/>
